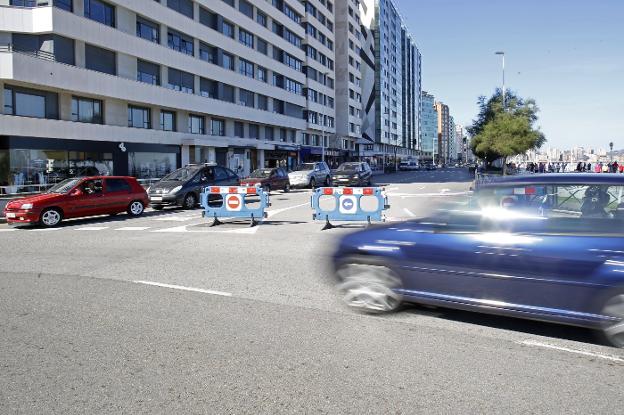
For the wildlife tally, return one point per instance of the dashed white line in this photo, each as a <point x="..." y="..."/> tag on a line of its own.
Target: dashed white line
<point x="133" y="228"/>
<point x="92" y="228"/>
<point x="409" y="212"/>
<point x="183" y="288"/>
<point x="534" y="343"/>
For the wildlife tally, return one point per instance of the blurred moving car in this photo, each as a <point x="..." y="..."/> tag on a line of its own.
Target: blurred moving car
<point x="183" y="186"/>
<point x="542" y="247"/>
<point x="352" y="174"/>
<point x="79" y="197"/>
<point x="408" y="165"/>
<point x="429" y="166"/>
<point x="268" y="179"/>
<point x="310" y="175"/>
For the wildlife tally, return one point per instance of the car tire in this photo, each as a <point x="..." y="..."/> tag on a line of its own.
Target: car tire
<point x="369" y="286"/>
<point x="136" y="208"/>
<point x="158" y="207"/>
<point x="287" y="188"/>
<point x="313" y="183"/>
<point x="613" y="334"/>
<point x="50" y="217"/>
<point x="189" y="201"/>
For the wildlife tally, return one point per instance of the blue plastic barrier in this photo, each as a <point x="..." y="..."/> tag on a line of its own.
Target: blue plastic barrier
<point x="348" y="206"/>
<point x="233" y="203"/>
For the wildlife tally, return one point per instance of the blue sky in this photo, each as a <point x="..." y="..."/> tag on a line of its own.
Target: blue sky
<point x="567" y="55"/>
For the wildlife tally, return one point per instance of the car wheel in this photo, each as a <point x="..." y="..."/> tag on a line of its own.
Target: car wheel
<point x="328" y="181"/>
<point x="287" y="188"/>
<point x="189" y="201"/>
<point x="158" y="207"/>
<point x="313" y="183"/>
<point x="369" y="287"/>
<point x="50" y="217"/>
<point x="136" y="208"/>
<point x="613" y="333"/>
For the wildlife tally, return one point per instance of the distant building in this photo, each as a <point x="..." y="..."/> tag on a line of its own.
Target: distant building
<point x="444" y="132"/>
<point x="429" y="127"/>
<point x="452" y="145"/>
<point x="460" y="134"/>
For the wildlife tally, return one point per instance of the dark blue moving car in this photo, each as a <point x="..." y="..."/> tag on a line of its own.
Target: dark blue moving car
<point x="543" y="247"/>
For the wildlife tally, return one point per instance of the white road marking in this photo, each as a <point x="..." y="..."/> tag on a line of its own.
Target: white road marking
<point x="133" y="228"/>
<point x="185" y="229"/>
<point x="278" y="211"/>
<point x="405" y="195"/>
<point x="392" y="189"/>
<point x="8" y="230"/>
<point x="409" y="212"/>
<point x="183" y="288"/>
<point x="92" y="228"/>
<point x="44" y="230"/>
<point x="534" y="343"/>
<point x="176" y="218"/>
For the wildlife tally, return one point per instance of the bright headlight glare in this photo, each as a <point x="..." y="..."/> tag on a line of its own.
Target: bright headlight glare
<point x="175" y="189"/>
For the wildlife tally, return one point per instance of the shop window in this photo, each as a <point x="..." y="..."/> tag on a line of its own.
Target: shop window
<point x="151" y="165"/>
<point x="87" y="110"/>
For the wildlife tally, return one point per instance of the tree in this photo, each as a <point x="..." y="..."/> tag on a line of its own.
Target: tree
<point x="499" y="132"/>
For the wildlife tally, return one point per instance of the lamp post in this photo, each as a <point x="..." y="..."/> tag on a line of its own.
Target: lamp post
<point x="503" y="56"/>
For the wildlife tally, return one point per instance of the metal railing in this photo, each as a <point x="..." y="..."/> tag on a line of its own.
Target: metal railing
<point x="41" y="54"/>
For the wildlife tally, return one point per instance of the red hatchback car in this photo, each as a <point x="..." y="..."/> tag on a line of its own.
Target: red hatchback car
<point x="269" y="179"/>
<point x="79" y="197"/>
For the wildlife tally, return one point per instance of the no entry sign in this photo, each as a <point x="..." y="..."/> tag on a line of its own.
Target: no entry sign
<point x="233" y="202"/>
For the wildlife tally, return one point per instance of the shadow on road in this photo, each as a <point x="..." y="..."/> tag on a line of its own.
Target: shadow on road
<point x="508" y="323"/>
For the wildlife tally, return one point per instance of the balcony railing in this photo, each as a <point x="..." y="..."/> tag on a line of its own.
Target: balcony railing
<point x="41" y="54"/>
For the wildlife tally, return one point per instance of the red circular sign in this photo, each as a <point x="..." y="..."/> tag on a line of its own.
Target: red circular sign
<point x="508" y="202"/>
<point x="233" y="202"/>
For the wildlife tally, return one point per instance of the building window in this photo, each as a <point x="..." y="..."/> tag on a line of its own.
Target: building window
<point x="167" y="120"/>
<point x="100" y="60"/>
<point x="228" y="61"/>
<point x="261" y="18"/>
<point x="227" y="29"/>
<point x="184" y="7"/>
<point x="245" y="67"/>
<point x="208" y="88"/>
<point x="180" y="42"/>
<point x="148" y="72"/>
<point x="196" y="124"/>
<point x="246" y="8"/>
<point x="245" y="38"/>
<point x="100" y="12"/>
<point x="181" y="81"/>
<point x="217" y="127"/>
<point x="246" y="98"/>
<point x="254" y="131"/>
<point x="87" y="110"/>
<point x="228" y="93"/>
<point x="239" y="129"/>
<point x="139" y="117"/>
<point x="262" y="46"/>
<point x="268" y="133"/>
<point x="208" y="53"/>
<point x="64" y="4"/>
<point x="263" y="102"/>
<point x="262" y="74"/>
<point x="148" y="30"/>
<point x="30" y="103"/>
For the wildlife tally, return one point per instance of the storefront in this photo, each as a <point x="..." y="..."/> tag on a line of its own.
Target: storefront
<point x="283" y="156"/>
<point x="31" y="164"/>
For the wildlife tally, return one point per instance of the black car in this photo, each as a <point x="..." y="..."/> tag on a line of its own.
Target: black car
<point x="352" y="174"/>
<point x="183" y="186"/>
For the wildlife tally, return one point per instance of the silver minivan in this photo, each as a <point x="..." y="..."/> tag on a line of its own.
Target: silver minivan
<point x="310" y="175"/>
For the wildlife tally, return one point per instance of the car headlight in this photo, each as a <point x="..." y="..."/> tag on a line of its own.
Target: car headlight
<point x="175" y="190"/>
<point x="357" y="176"/>
<point x="26" y="206"/>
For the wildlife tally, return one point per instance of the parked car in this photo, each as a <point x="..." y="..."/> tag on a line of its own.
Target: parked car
<point x="542" y="247"/>
<point x="429" y="166"/>
<point x="352" y="174"/>
<point x="408" y="165"/>
<point x="268" y="179"/>
<point x="183" y="186"/>
<point x="79" y="197"/>
<point x="310" y="175"/>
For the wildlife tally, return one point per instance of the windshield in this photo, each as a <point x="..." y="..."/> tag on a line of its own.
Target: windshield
<point x="305" y="167"/>
<point x="261" y="173"/>
<point x="182" y="175"/>
<point x="64" y="186"/>
<point x="348" y="167"/>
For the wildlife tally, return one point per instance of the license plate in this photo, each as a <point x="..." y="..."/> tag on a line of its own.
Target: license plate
<point x="156" y="199"/>
<point x="10" y="215"/>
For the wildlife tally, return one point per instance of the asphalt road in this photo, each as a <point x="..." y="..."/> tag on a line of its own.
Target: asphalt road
<point x="162" y="314"/>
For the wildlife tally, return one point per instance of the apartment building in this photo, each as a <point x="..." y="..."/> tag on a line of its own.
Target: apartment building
<point x="429" y="130"/>
<point x="143" y="87"/>
<point x="444" y="132"/>
<point x="348" y="79"/>
<point x="391" y="83"/>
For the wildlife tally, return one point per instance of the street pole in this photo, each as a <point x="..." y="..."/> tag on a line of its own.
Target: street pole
<point x="504" y="100"/>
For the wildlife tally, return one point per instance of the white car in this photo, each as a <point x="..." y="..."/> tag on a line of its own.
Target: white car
<point x="310" y="175"/>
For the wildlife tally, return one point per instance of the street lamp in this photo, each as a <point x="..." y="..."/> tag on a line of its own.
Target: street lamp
<point x="503" y="56"/>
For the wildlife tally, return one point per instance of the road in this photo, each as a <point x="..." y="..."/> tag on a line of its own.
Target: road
<point x="162" y="314"/>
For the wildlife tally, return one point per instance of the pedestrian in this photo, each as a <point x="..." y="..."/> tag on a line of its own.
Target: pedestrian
<point x="614" y="167"/>
<point x="622" y="168"/>
<point x="605" y="168"/>
<point x="588" y="167"/>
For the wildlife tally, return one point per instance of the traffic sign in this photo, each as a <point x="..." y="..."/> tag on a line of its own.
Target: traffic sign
<point x="233" y="202"/>
<point x="348" y="204"/>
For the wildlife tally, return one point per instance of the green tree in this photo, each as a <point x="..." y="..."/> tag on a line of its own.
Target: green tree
<point x="499" y="132"/>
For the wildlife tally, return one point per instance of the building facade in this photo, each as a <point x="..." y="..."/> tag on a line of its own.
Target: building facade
<point x="142" y="88"/>
<point x="429" y="130"/>
<point x="444" y="132"/>
<point x="411" y="87"/>
<point x="383" y="82"/>
<point x="452" y="144"/>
